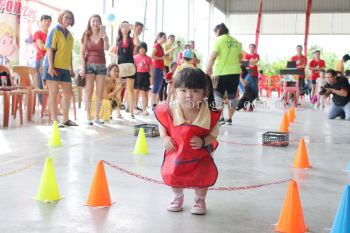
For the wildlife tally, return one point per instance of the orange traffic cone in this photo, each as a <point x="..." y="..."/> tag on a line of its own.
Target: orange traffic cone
<point x="290" y="116"/>
<point x="284" y="123"/>
<point x="99" y="192"/>
<point x="301" y="158"/>
<point x="291" y="219"/>
<point x="293" y="111"/>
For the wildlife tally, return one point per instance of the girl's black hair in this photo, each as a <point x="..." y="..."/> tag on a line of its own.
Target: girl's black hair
<point x="142" y="45"/>
<point x="194" y="78"/>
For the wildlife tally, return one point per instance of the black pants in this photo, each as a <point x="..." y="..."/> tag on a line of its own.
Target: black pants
<point x="163" y="87"/>
<point x="248" y="96"/>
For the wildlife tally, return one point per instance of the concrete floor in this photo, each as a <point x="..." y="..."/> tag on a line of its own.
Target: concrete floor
<point x="141" y="206"/>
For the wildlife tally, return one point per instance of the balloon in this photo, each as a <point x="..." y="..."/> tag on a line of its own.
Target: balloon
<point x="111" y="17"/>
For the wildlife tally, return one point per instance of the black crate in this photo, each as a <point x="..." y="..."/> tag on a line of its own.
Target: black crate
<point x="151" y="130"/>
<point x="275" y="139"/>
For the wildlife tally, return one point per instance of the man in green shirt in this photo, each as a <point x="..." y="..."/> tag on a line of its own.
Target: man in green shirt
<point x="224" y="64"/>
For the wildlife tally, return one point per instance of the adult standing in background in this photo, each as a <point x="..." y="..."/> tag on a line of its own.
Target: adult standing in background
<point x="340" y="67"/>
<point x="169" y="56"/>
<point x="125" y="47"/>
<point x="253" y="59"/>
<point x="94" y="42"/>
<point x="315" y="65"/>
<point x="196" y="61"/>
<point x="40" y="40"/>
<point x="158" y="56"/>
<point x="225" y="66"/>
<point x="300" y="61"/>
<point x="58" y="65"/>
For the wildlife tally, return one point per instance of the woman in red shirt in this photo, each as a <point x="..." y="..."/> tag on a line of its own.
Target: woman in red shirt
<point x="315" y="66"/>
<point x="158" y="66"/>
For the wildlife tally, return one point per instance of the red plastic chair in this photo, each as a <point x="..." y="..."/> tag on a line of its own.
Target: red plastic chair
<point x="275" y="84"/>
<point x="263" y="84"/>
<point x="290" y="90"/>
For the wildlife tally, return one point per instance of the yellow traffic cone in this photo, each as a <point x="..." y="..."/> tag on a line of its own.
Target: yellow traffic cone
<point x="48" y="189"/>
<point x="55" y="139"/>
<point x="141" y="144"/>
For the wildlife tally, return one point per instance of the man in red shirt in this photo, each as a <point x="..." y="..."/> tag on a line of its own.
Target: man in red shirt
<point x="253" y="59"/>
<point x="300" y="60"/>
<point x="40" y="40"/>
<point x="315" y="66"/>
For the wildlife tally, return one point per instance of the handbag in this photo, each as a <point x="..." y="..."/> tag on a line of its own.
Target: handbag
<point x="126" y="70"/>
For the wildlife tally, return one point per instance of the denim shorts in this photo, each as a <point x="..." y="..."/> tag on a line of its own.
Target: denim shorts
<point x="97" y="69"/>
<point x="62" y="75"/>
<point x="158" y="79"/>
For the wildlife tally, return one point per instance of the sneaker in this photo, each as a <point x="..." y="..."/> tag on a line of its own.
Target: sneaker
<point x="99" y="122"/>
<point x="221" y="121"/>
<point x="198" y="207"/>
<point x="60" y="125"/>
<point x="176" y="204"/>
<point x="229" y="121"/>
<point x="138" y="109"/>
<point x="132" y="116"/>
<point x="70" y="123"/>
<point x="89" y="123"/>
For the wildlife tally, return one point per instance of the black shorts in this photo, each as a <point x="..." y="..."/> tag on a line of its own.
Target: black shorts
<point x="227" y="83"/>
<point x="301" y="83"/>
<point x="142" y="81"/>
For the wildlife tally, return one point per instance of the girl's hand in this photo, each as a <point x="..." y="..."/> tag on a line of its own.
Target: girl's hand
<point x="169" y="144"/>
<point x="196" y="142"/>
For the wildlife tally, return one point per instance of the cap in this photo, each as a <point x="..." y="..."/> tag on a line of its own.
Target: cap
<point x="187" y="53"/>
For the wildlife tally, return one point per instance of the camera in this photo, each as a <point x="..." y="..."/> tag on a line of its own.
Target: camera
<point x="324" y="89"/>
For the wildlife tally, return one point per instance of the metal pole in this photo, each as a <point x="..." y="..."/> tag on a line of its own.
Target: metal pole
<point x="144" y="22"/>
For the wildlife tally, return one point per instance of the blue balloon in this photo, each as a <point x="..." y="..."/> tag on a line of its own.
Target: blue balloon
<point x="111" y="17"/>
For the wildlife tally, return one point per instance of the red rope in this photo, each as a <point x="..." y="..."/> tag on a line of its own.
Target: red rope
<point x="232" y="188"/>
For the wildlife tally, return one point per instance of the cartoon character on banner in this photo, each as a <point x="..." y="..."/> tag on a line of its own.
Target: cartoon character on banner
<point x="8" y="44"/>
<point x="30" y="50"/>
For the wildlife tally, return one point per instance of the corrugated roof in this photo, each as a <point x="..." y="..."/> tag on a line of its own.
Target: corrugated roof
<point x="279" y="6"/>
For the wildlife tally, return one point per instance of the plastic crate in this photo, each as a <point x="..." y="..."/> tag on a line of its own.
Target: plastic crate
<point x="151" y="130"/>
<point x="275" y="139"/>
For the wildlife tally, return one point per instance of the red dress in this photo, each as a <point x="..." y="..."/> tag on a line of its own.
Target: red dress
<point x="187" y="167"/>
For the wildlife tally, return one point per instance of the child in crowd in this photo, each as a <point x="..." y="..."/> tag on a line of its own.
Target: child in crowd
<point x="320" y="84"/>
<point x="144" y="76"/>
<point x="169" y="79"/>
<point x="248" y="87"/>
<point x="112" y="94"/>
<point x="187" y="56"/>
<point x="188" y="129"/>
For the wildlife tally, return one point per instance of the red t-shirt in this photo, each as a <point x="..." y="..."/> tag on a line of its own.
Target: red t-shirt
<point x="315" y="74"/>
<point x="143" y="63"/>
<point x="41" y="36"/>
<point x="300" y="60"/>
<point x="247" y="57"/>
<point x="169" y="76"/>
<point x="160" y="53"/>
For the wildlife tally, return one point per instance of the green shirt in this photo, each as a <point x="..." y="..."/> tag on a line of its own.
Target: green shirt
<point x="228" y="52"/>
